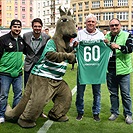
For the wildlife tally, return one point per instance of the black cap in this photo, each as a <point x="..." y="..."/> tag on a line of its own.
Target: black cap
<point x="15" y="22"/>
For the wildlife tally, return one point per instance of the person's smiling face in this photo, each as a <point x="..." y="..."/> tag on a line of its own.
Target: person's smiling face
<point x="91" y="24"/>
<point x="37" y="28"/>
<point x="115" y="26"/>
<point x="16" y="29"/>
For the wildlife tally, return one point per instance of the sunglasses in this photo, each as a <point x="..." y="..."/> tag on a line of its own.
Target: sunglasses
<point x="112" y="25"/>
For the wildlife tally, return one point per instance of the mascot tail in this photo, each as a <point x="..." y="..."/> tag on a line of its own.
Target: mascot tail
<point x="12" y="115"/>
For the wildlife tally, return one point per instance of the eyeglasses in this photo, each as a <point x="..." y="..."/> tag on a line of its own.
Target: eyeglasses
<point x="112" y="25"/>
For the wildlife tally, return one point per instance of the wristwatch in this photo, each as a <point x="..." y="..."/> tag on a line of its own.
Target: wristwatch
<point x="119" y="48"/>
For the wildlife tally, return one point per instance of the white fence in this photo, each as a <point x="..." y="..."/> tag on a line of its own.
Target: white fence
<point x="5" y="31"/>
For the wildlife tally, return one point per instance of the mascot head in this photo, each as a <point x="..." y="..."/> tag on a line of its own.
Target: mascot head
<point x="65" y="28"/>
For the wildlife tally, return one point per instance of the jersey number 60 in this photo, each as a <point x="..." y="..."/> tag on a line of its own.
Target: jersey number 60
<point x="91" y="53"/>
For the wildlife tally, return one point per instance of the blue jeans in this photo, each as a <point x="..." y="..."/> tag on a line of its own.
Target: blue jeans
<point x="114" y="82"/>
<point x="96" y="89"/>
<point x="26" y="76"/>
<point x="5" y="83"/>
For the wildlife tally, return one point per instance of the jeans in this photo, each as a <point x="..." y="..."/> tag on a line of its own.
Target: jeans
<point x="114" y="82"/>
<point x="5" y="83"/>
<point x="96" y="89"/>
<point x="26" y="76"/>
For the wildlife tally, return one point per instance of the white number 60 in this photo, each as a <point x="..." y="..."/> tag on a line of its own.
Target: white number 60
<point x="89" y="53"/>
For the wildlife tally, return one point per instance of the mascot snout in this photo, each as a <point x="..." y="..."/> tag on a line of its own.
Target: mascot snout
<point x="74" y="35"/>
<point x="70" y="36"/>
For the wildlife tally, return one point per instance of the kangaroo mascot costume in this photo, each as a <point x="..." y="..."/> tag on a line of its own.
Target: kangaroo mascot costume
<point x="45" y="82"/>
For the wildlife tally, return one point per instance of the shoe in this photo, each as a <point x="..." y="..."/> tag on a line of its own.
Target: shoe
<point x="43" y="115"/>
<point x="128" y="119"/>
<point x="113" y="117"/>
<point x="96" y="117"/>
<point x="2" y="120"/>
<point x="79" y="117"/>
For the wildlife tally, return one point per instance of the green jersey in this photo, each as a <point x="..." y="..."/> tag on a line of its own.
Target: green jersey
<point x="92" y="57"/>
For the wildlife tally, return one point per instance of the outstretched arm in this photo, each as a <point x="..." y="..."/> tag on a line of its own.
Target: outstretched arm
<point x="60" y="56"/>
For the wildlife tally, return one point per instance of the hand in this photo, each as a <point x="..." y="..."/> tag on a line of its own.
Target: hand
<point x="106" y="41"/>
<point x="75" y="44"/>
<point x="114" y="46"/>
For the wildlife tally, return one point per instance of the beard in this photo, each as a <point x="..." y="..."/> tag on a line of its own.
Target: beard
<point x="16" y="32"/>
<point x="37" y="31"/>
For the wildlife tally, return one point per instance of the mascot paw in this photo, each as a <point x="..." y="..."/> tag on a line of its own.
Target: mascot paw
<point x="26" y="124"/>
<point x="9" y="115"/>
<point x="71" y="57"/>
<point x="61" y="119"/>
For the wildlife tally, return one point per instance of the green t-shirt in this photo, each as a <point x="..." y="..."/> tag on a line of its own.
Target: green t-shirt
<point x="92" y="57"/>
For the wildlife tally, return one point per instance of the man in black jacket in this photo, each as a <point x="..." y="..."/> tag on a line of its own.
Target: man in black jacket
<point x="11" y="63"/>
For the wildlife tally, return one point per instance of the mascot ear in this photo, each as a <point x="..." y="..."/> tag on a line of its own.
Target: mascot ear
<point x="62" y="10"/>
<point x="70" y="12"/>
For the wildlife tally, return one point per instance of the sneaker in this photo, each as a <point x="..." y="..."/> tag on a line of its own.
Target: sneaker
<point x="96" y="117"/>
<point x="2" y="120"/>
<point x="113" y="117"/>
<point x="128" y="119"/>
<point x="43" y="115"/>
<point x="79" y="117"/>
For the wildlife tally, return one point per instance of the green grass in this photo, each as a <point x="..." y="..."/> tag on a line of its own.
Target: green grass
<point x="87" y="125"/>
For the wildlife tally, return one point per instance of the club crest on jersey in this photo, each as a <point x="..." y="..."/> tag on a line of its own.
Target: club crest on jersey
<point x="10" y="45"/>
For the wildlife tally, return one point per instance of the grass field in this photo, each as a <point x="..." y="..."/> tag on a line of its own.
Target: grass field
<point x="87" y="125"/>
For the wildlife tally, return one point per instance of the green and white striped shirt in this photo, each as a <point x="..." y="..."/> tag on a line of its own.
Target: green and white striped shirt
<point x="49" y="69"/>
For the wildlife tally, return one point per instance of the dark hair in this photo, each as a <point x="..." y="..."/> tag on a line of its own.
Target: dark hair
<point x="37" y="20"/>
<point x="15" y="22"/>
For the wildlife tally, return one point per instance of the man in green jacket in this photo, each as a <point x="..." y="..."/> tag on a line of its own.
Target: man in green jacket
<point x="11" y="52"/>
<point x="119" y="69"/>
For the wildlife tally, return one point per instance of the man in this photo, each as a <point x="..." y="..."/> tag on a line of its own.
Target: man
<point x="46" y="31"/>
<point x="104" y="32"/>
<point x="36" y="41"/>
<point x="11" y="63"/>
<point x="90" y="33"/>
<point x="119" y="69"/>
